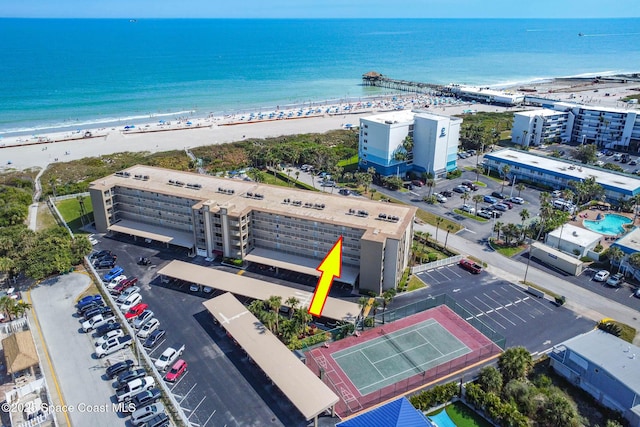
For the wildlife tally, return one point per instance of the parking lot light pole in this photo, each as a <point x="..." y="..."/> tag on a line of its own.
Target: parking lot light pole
<point x="528" y="262"/>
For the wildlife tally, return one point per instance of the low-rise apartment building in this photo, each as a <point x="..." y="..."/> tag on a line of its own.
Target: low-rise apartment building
<point x="293" y="229"/>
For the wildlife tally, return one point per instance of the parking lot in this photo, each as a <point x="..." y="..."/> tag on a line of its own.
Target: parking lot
<point x="221" y="386"/>
<point x="522" y="318"/>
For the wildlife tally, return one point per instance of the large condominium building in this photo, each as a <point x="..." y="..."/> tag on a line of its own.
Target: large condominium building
<point x="583" y="124"/>
<point x="287" y="228"/>
<point x="558" y="173"/>
<point x="435" y="143"/>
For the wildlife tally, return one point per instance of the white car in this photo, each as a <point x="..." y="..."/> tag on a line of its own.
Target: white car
<point x="125" y="294"/>
<point x="140" y="320"/>
<point x="116" y="281"/>
<point x="467" y="208"/>
<point x="148" y="328"/>
<point x="96" y="321"/>
<point x="131" y="300"/>
<point x="440" y="198"/>
<point x="111" y="334"/>
<point x="93" y="240"/>
<point x="167" y="357"/>
<point x="601" y="276"/>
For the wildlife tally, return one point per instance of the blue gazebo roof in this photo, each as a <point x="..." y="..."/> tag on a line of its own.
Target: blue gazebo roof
<point x="398" y="413"/>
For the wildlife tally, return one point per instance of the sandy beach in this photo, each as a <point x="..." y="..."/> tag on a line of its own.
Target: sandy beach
<point x="40" y="150"/>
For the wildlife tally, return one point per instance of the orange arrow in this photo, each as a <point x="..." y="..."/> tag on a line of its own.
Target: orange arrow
<point x="330" y="267"/>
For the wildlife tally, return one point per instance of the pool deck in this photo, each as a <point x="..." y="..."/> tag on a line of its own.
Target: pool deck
<point x="592" y="214"/>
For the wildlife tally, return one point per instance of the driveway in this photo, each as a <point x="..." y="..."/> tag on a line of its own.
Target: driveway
<point x="79" y="375"/>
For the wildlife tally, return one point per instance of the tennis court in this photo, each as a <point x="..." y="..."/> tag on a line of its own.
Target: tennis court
<point x="395" y="356"/>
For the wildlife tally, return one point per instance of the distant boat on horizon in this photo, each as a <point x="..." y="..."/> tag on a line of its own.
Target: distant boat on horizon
<point x="580" y="34"/>
<point x="135" y="20"/>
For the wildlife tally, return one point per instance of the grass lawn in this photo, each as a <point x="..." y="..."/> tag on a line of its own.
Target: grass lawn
<point x="349" y="163"/>
<point x="45" y="217"/>
<point x="415" y="283"/>
<point x="468" y="215"/>
<point x="70" y="211"/>
<point x="507" y="251"/>
<point x="463" y="416"/>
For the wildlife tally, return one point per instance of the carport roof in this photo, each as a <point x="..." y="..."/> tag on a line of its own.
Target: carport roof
<point x="153" y="232"/>
<point x="306" y="391"/>
<point x="298" y="263"/>
<point x="334" y="308"/>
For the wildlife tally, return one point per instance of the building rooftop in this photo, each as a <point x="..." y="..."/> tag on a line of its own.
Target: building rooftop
<point x="576" y="235"/>
<point x="592" y="107"/>
<point x="240" y="196"/>
<point x="512" y="95"/>
<point x="631" y="241"/>
<point x="402" y="116"/>
<point x="619" y="358"/>
<point x="568" y="170"/>
<point x="544" y="112"/>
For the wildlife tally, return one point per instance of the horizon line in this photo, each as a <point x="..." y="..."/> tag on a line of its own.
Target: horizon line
<point x="314" y="18"/>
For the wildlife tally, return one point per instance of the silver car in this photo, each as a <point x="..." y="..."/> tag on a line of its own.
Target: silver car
<point x="142" y="319"/>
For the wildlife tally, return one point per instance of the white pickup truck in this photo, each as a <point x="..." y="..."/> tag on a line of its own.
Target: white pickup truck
<point x="169" y="356"/>
<point x="127" y="391"/>
<point x="113" y="345"/>
<point x="96" y="322"/>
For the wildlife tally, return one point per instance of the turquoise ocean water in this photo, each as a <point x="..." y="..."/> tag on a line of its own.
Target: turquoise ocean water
<point x="85" y="73"/>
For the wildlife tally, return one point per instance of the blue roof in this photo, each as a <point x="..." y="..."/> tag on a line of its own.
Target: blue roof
<point x="398" y="413"/>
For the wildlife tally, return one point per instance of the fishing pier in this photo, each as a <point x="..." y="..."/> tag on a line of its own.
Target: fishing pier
<point x="373" y="78"/>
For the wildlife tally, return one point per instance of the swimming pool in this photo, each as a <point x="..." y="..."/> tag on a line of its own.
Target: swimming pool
<point x="610" y="225"/>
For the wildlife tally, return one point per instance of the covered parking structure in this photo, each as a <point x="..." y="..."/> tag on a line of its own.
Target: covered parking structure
<point x="298" y="264"/>
<point x="307" y="392"/>
<point x="152" y="232"/>
<point x="334" y="308"/>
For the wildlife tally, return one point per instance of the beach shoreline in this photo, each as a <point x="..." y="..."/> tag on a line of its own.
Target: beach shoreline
<point x="21" y="152"/>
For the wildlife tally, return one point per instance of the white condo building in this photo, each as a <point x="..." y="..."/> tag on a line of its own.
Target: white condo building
<point x="435" y="143"/>
<point x="583" y="124"/>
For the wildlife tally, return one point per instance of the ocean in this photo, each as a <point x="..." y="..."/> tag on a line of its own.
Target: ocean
<point x="83" y="73"/>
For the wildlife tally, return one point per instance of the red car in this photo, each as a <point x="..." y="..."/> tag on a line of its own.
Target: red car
<point x="135" y="311"/>
<point x="120" y="287"/>
<point x="470" y="266"/>
<point x="176" y="371"/>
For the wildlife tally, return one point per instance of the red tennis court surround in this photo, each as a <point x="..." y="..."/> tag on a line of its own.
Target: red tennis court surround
<point x="321" y="361"/>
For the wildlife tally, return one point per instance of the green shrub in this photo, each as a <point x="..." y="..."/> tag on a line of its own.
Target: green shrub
<point x="433" y="256"/>
<point x="435" y="396"/>
<point x="454" y="174"/>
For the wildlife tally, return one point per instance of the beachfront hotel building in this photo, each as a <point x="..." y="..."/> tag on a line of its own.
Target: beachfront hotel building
<point x="557" y="173"/>
<point x="487" y="95"/>
<point x="435" y="143"/>
<point x="271" y="225"/>
<point x="607" y="127"/>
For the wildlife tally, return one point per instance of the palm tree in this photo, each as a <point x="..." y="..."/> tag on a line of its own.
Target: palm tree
<point x="293" y="303"/>
<point x="256" y="308"/>
<point x="438" y="222"/>
<point x="274" y="303"/>
<point x="387" y="297"/>
<point x="497" y="227"/>
<point x="477" y="198"/>
<point x="6" y="305"/>
<point x="520" y="186"/>
<point x="505" y="171"/>
<point x="524" y="215"/>
<point x="270" y="319"/>
<point x="374" y="306"/>
<point x="479" y="169"/>
<point x="465" y="197"/>
<point x="634" y="261"/>
<point x="615" y="254"/>
<point x="21" y="308"/>
<point x="362" y="304"/>
<point x="449" y="228"/>
<point x="515" y="363"/>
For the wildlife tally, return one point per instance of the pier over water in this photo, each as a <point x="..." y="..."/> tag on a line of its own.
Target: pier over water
<point x="373" y="78"/>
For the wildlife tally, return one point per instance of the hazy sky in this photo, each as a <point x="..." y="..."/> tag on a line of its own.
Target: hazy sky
<point x="321" y="8"/>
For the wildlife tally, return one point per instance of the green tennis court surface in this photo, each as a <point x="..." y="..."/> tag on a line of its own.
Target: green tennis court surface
<point x="393" y="357"/>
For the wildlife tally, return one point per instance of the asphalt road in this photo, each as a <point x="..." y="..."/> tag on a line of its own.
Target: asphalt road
<point x="221" y="386"/>
<point x="79" y="374"/>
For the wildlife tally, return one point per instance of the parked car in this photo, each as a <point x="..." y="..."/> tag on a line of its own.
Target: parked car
<point x="485" y="214"/>
<point x="447" y="193"/>
<point x="144" y="261"/>
<point x="556" y="193"/>
<point x="153" y="339"/>
<point x="88" y="300"/>
<point x="103" y="309"/>
<point x="615" y="280"/>
<point x="146" y="413"/>
<point x="130" y="375"/>
<point x="131" y="300"/>
<point x="517" y="200"/>
<point x="118" y="368"/>
<point x="124" y="285"/>
<point x="113" y="273"/>
<point x="148" y="328"/>
<point x="468" y="208"/>
<point x="169" y="356"/>
<point x="633" y="162"/>
<point x="96" y="321"/>
<point x="461" y="189"/>
<point x="207" y="289"/>
<point x="116" y="281"/>
<point x="99" y="254"/>
<point x="470" y="266"/>
<point x="109" y="335"/>
<point x="113" y="345"/>
<point x="160" y="420"/>
<point x="89" y="307"/>
<point x="501" y="207"/>
<point x="142" y="319"/>
<point x="135" y="311"/>
<point x="507" y="203"/>
<point x="126" y="392"/>
<point x="194" y="288"/>
<point x="601" y="276"/>
<point x="490" y="199"/>
<point x="440" y="198"/>
<point x="637" y="293"/>
<point x="498" y="195"/>
<point x="103" y="264"/>
<point x="107" y="328"/>
<point x="470" y="185"/>
<point x="145" y="398"/>
<point x="123" y="296"/>
<point x="176" y="371"/>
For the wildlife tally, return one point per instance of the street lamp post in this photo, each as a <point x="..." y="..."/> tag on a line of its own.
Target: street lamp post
<point x="528" y="262"/>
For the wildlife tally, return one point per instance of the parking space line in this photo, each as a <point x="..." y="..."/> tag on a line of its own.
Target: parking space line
<point x="190" y="390"/>
<point x="178" y="382"/>
<point x="210" y="416"/>
<point x="496" y="312"/>
<point x="504" y="306"/>
<point x="196" y="408"/>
